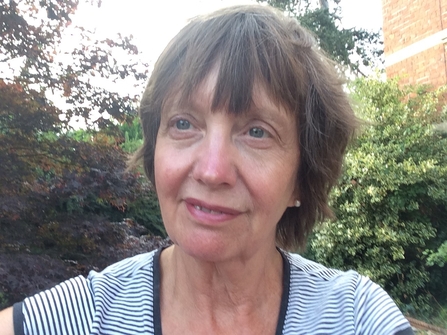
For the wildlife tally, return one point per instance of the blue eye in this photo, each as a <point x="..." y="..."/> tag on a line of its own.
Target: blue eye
<point x="183" y="124"/>
<point x="257" y="132"/>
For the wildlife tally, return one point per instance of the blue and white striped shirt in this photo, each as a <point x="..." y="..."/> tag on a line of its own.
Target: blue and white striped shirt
<point x="124" y="299"/>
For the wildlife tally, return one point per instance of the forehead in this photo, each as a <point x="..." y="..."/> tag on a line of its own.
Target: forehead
<point x="205" y="96"/>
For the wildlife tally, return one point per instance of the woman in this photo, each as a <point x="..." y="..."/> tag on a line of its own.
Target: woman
<point x="245" y="126"/>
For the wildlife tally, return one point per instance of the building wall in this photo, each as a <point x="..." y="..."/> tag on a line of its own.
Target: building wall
<point x="415" y="36"/>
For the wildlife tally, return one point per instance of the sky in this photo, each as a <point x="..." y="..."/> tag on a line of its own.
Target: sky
<point x="366" y="14"/>
<point x="153" y="23"/>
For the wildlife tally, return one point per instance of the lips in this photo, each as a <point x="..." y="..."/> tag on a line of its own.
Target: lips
<point x="209" y="214"/>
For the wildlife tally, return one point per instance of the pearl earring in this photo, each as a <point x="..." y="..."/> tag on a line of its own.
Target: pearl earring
<point x="297" y="203"/>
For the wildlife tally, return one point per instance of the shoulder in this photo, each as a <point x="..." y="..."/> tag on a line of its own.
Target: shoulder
<point x="130" y="276"/>
<point x="313" y="269"/>
<point x="308" y="275"/>
<point x="66" y="308"/>
<point x="126" y="294"/>
<point x="76" y="306"/>
<point x="376" y="312"/>
<point x="128" y="267"/>
<point x="328" y="290"/>
<point x="350" y="301"/>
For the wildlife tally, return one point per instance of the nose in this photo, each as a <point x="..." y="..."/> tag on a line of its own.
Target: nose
<point x="215" y="162"/>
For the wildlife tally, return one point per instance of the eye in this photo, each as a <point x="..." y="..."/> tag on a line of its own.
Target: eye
<point x="182" y="124"/>
<point x="257" y="132"/>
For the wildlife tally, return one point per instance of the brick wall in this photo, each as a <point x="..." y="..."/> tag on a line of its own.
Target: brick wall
<point x="406" y="22"/>
<point x="427" y="67"/>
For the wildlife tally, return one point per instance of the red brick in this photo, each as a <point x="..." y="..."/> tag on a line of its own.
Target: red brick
<point x="406" y="22"/>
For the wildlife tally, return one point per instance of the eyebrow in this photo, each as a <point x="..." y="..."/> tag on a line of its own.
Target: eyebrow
<point x="278" y="116"/>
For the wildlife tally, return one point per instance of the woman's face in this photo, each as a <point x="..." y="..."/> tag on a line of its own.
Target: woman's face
<point x="224" y="181"/>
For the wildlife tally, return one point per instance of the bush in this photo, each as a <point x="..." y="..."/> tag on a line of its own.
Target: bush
<point x="391" y="203"/>
<point x="61" y="250"/>
<point x="438" y="257"/>
<point x="146" y="211"/>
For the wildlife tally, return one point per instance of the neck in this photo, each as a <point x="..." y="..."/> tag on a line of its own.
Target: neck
<point x="245" y="289"/>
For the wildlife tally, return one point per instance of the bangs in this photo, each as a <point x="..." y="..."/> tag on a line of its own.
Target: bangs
<point x="246" y="48"/>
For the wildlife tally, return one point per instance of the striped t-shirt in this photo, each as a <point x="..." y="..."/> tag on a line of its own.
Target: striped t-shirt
<point x="124" y="299"/>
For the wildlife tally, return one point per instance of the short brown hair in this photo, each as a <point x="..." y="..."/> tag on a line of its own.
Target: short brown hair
<point x="258" y="43"/>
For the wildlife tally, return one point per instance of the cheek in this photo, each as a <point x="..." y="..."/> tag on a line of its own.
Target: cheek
<point x="164" y="174"/>
<point x="170" y="172"/>
<point x="274" y="185"/>
<point x="166" y="190"/>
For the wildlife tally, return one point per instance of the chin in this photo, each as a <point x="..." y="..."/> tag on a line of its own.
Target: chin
<point x="207" y="248"/>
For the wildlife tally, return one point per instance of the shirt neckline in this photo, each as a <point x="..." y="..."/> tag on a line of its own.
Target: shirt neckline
<point x="284" y="296"/>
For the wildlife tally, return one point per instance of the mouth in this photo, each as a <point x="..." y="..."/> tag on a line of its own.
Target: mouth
<point x="203" y="207"/>
<point x="206" y="210"/>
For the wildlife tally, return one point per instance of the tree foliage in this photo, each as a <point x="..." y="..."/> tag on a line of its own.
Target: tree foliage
<point x="38" y="151"/>
<point x="60" y="187"/>
<point x="32" y="33"/>
<point x="45" y="172"/>
<point x="352" y="48"/>
<point x="391" y="204"/>
<point x="438" y="257"/>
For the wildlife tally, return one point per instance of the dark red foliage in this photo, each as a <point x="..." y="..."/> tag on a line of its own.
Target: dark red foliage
<point x="60" y="193"/>
<point x="74" y="248"/>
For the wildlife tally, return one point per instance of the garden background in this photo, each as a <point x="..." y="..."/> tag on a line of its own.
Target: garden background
<point x="68" y="205"/>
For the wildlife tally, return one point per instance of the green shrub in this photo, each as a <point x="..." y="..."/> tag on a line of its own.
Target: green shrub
<point x="146" y="211"/>
<point x="391" y="204"/>
<point x="133" y="135"/>
<point x="438" y="257"/>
